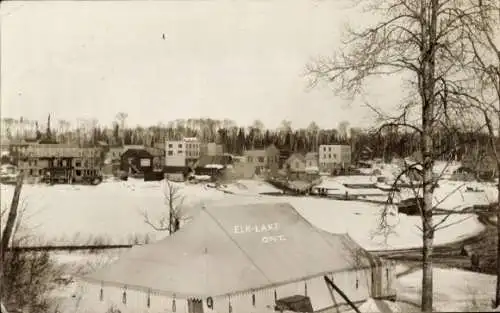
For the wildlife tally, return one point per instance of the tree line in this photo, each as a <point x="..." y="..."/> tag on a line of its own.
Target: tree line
<point x="365" y="143"/>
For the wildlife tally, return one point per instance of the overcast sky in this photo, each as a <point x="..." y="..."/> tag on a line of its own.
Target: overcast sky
<point x="241" y="60"/>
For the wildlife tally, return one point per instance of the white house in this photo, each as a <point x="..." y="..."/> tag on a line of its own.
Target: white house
<point x="334" y="156"/>
<point x="180" y="152"/>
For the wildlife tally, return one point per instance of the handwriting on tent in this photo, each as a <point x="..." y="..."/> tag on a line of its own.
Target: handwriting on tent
<point x="261" y="228"/>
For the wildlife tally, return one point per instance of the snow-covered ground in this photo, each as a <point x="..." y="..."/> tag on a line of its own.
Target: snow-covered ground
<point x="250" y="187"/>
<point x="454" y="290"/>
<point x="454" y="195"/>
<point x="113" y="213"/>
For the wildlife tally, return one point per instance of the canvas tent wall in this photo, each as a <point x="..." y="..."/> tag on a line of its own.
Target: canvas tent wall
<point x="232" y="254"/>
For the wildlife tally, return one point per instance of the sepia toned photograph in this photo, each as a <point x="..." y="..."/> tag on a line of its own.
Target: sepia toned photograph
<point x="256" y="156"/>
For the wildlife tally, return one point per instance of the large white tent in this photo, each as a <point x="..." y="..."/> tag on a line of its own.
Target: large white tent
<point x="244" y="255"/>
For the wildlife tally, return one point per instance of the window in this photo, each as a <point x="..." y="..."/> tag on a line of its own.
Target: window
<point x="329" y="149"/>
<point x="334" y="156"/>
<point x="261" y="159"/>
<point x="329" y="156"/>
<point x="297" y="164"/>
<point x="180" y="145"/>
<point x="40" y="172"/>
<point x="35" y="162"/>
<point x="179" y="151"/>
<point x="78" y="172"/>
<point x="170" y="152"/>
<point x="78" y="163"/>
<point x="324" y="148"/>
<point x="170" y="145"/>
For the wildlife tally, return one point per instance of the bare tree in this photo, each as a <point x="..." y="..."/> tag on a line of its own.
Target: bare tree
<point x="343" y="129"/>
<point x="11" y="219"/>
<point x="26" y="277"/>
<point x="122" y="118"/>
<point x="169" y="221"/>
<point x="483" y="33"/>
<point x="421" y="40"/>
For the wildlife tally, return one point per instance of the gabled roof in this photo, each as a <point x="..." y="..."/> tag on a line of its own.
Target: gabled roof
<point x="311" y="155"/>
<point x="232" y="249"/>
<point x="296" y="156"/>
<point x="142" y="153"/>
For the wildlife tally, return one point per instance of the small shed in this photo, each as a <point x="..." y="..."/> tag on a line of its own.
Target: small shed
<point x="136" y="161"/>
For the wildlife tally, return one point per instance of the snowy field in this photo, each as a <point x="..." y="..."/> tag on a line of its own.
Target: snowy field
<point x="113" y="213"/>
<point x="454" y="290"/>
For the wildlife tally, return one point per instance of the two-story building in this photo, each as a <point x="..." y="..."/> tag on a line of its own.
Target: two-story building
<point x="60" y="162"/>
<point x="136" y="161"/>
<point x="331" y="157"/>
<point x="296" y="163"/>
<point x="183" y="152"/>
<point x="312" y="161"/>
<point x="264" y="159"/>
<point x="211" y="149"/>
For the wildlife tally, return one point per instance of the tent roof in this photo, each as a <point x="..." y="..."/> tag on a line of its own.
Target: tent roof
<point x="227" y="250"/>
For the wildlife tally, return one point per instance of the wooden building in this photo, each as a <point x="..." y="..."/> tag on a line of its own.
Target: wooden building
<point x="136" y="162"/>
<point x="59" y="163"/>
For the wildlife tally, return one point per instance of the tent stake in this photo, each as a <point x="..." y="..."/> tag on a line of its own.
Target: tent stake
<point x="341" y="293"/>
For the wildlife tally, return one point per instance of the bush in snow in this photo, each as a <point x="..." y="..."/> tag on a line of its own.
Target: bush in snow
<point x="28" y="278"/>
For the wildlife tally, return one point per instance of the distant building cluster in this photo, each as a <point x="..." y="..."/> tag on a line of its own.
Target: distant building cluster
<point x="175" y="159"/>
<point x="54" y="162"/>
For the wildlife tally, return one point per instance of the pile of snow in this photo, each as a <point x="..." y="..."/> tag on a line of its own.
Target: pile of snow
<point x="202" y="177"/>
<point x="379" y="306"/>
<point x="217" y="166"/>
<point x="454" y="290"/>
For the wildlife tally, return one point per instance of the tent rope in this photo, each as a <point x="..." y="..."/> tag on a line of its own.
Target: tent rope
<point x="237" y="245"/>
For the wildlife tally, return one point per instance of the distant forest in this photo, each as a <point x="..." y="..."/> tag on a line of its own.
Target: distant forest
<point x="383" y="143"/>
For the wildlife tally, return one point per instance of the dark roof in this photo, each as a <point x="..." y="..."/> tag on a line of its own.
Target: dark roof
<point x="156" y="151"/>
<point x="217" y="159"/>
<point x="142" y="153"/>
<point x="47" y="141"/>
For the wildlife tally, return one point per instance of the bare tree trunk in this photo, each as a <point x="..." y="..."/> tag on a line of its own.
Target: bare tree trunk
<point x="11" y="220"/>
<point x="497" y="290"/>
<point x="9" y="226"/>
<point x="428" y="84"/>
